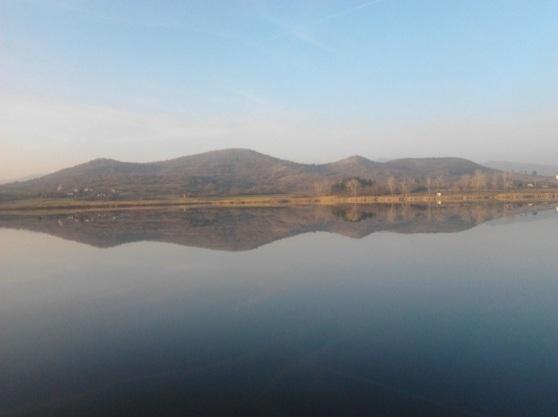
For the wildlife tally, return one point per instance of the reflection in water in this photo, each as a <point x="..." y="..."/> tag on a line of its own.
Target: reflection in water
<point x="237" y="229"/>
<point x="425" y="322"/>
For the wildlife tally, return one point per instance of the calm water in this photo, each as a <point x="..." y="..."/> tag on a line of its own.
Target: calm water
<point x="389" y="311"/>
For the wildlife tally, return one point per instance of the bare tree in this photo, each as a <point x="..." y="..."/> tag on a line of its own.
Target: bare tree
<point x="321" y="188"/>
<point x="495" y="181"/>
<point x="353" y="185"/>
<point x="404" y="186"/>
<point x="507" y="179"/>
<point x="391" y="184"/>
<point x="479" y="181"/>
<point x="429" y="184"/>
<point x="468" y="182"/>
<point x="439" y="182"/>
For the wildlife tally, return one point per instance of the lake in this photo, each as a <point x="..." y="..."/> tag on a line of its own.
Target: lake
<point x="330" y="311"/>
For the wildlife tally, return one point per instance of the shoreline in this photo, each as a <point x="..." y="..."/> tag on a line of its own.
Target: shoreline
<point x="65" y="205"/>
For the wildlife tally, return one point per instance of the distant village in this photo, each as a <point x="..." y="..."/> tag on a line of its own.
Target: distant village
<point x="88" y="193"/>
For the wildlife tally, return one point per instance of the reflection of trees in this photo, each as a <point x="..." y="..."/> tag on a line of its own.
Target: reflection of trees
<point x="244" y="229"/>
<point x="352" y="213"/>
<point x="390" y="214"/>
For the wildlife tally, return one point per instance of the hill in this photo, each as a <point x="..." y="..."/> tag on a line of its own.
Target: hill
<point x="524" y="168"/>
<point x="228" y="172"/>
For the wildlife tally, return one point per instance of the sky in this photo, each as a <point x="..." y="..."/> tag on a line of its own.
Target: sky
<point x="310" y="81"/>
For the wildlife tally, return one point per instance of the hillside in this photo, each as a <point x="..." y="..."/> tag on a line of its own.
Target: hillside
<point x="524" y="168"/>
<point x="227" y="172"/>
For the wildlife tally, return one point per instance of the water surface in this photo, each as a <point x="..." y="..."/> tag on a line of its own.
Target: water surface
<point x="348" y="311"/>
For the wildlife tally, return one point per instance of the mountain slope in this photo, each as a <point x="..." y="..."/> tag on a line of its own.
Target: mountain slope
<point x="223" y="172"/>
<point x="419" y="167"/>
<point x="523" y="167"/>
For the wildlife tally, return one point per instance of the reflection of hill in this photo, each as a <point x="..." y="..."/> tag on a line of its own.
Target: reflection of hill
<point x="238" y="229"/>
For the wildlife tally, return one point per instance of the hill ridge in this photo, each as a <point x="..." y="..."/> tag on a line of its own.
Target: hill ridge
<point x="233" y="171"/>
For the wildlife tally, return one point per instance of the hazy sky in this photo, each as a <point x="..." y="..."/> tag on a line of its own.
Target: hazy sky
<point x="306" y="80"/>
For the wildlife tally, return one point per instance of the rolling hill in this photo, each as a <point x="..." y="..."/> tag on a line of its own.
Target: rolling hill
<point x="224" y="172"/>
<point x="524" y="168"/>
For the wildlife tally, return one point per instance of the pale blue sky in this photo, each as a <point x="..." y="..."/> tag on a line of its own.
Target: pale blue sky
<point x="304" y="80"/>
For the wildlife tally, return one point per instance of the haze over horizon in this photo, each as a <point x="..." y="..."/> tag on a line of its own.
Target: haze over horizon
<point x="312" y="82"/>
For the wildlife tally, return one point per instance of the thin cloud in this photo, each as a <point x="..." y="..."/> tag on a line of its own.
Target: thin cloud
<point x="302" y="32"/>
<point x="296" y="32"/>
<point x="346" y="12"/>
<point x="77" y="7"/>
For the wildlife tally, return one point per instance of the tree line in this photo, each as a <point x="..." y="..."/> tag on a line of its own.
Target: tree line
<point x="479" y="181"/>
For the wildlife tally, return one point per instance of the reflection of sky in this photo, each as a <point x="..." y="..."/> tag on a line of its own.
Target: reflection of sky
<point x="468" y="319"/>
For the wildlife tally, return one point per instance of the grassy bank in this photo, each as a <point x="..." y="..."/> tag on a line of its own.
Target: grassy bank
<point x="50" y="205"/>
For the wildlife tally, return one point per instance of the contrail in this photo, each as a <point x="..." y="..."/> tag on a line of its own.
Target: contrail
<point x="300" y="33"/>
<point x="346" y="12"/>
